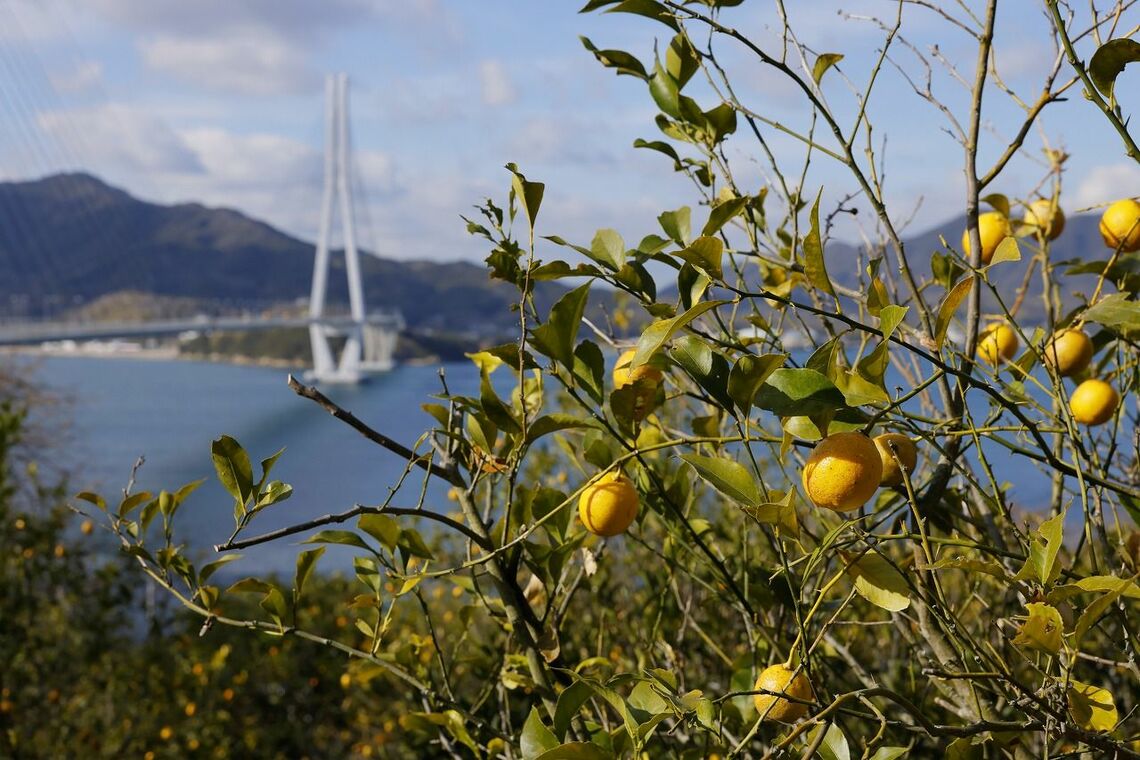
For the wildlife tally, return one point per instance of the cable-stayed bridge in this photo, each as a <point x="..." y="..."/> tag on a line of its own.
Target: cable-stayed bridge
<point x="369" y="339"/>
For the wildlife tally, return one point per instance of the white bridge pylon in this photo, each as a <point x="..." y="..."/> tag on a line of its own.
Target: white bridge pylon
<point x="369" y="342"/>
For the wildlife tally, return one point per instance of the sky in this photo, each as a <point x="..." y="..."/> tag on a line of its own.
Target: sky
<point x="220" y="102"/>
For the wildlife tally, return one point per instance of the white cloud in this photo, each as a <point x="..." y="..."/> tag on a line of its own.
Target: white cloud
<point x="495" y="84"/>
<point x="244" y="61"/>
<point x="1103" y="184"/>
<point x="84" y="76"/>
<point x="117" y="135"/>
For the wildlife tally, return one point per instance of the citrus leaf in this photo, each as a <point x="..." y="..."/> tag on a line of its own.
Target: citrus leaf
<point x="1007" y="250"/>
<point x="529" y="193"/>
<point x="345" y="537"/>
<point x="877" y="581"/>
<point x="823" y="63"/>
<point x="1041" y="630"/>
<point x="814" y="266"/>
<point x="1115" y="311"/>
<point x="999" y="202"/>
<point x="1098" y="607"/>
<point x="748" y="374"/>
<point x="557" y="336"/>
<point x="798" y="392"/>
<point x="536" y="738"/>
<point x="1109" y="60"/>
<point x="233" y="468"/>
<point x="570" y="701"/>
<point x="576" y="751"/>
<point x="676" y="225"/>
<point x="608" y="248"/>
<point x="705" y="253"/>
<point x="727" y="476"/>
<point x="661" y="331"/>
<point x="946" y="311"/>
<point x="722" y="214"/>
<point x="1092" y="707"/>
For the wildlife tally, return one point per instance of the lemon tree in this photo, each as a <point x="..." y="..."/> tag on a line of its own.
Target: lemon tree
<point x="735" y="494"/>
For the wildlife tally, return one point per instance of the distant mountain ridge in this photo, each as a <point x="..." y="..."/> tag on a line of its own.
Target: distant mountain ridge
<point x="73" y="235"/>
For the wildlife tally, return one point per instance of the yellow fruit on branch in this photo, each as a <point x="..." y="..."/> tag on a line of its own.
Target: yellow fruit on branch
<point x="1068" y="352"/>
<point x="624" y="375"/>
<point x="890" y="446"/>
<point x="993" y="227"/>
<point x="782" y="680"/>
<point x="843" y="471"/>
<point x="998" y="343"/>
<point x="609" y="505"/>
<point x="1044" y="216"/>
<point x="1120" y="225"/>
<point x="1093" y="402"/>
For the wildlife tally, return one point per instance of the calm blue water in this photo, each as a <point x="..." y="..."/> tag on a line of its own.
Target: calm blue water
<point x="170" y="411"/>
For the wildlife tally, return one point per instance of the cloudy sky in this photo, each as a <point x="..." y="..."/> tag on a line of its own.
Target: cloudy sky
<point x="219" y="101"/>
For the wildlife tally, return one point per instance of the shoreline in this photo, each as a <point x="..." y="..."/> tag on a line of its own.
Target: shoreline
<point x="167" y="353"/>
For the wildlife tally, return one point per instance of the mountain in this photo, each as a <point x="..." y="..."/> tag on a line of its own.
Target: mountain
<point x="73" y="236"/>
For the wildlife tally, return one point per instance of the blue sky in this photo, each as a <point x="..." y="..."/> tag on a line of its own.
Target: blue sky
<point x="219" y="101"/>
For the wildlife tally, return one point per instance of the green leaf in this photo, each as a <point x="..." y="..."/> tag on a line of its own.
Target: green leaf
<point x="998" y="202"/>
<point x="619" y="60"/>
<point x="647" y="8"/>
<point x="275" y="493"/>
<point x="889" y="753"/>
<point x="793" y="392"/>
<point x="576" y="751"/>
<point x="1109" y="60"/>
<point x="681" y="60"/>
<point x="676" y="225"/>
<point x="131" y="503"/>
<point x="608" y="248"/>
<point x="589" y="369"/>
<point x="707" y="367"/>
<point x="266" y="467"/>
<point x="529" y="193"/>
<point x="306" y="561"/>
<point x="92" y="498"/>
<point x="665" y="149"/>
<point x="412" y="542"/>
<point x="814" y="266"/>
<point x="727" y="476"/>
<point x="1092" y="707"/>
<point x="705" y="253"/>
<point x="570" y="701"/>
<point x="233" y="468"/>
<point x="877" y="581"/>
<point x="536" y="738"/>
<point x="946" y="311"/>
<point x="873" y="366"/>
<point x="383" y="528"/>
<point x="208" y="570"/>
<point x="345" y="537"/>
<point x="552" y="423"/>
<point x="1115" y="311"/>
<point x="834" y="745"/>
<point x="823" y="63"/>
<point x="665" y="92"/>
<point x="557" y="336"/>
<point x="1099" y="606"/>
<point x="1052" y="531"/>
<point x="1007" y="250"/>
<point x="781" y="513"/>
<point x="722" y="214"/>
<point x="748" y="374"/>
<point x="661" y="331"/>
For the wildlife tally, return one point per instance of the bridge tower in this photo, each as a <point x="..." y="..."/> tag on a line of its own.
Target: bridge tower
<point x="369" y="341"/>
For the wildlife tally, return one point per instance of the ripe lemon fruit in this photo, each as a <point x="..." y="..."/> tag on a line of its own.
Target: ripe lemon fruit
<point x="650" y="376"/>
<point x="608" y="506"/>
<point x="891" y="445"/>
<point x="1120" y="225"/>
<point x="999" y="343"/>
<point x="782" y="680"/>
<point x="1069" y="352"/>
<point x="1042" y="214"/>
<point x="843" y="471"/>
<point x="1093" y="402"/>
<point x="993" y="227"/>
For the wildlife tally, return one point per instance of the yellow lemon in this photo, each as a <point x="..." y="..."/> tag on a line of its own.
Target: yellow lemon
<point x="998" y="343"/>
<point x="624" y="376"/>
<point x="891" y="445"/>
<point x="87" y="527"/>
<point x="1120" y="225"/>
<point x="608" y="506"/>
<point x="1069" y="352"/>
<point x="993" y="227"/>
<point x="1093" y="402"/>
<point x="1042" y="214"/>
<point x="843" y="471"/>
<point x="782" y="680"/>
